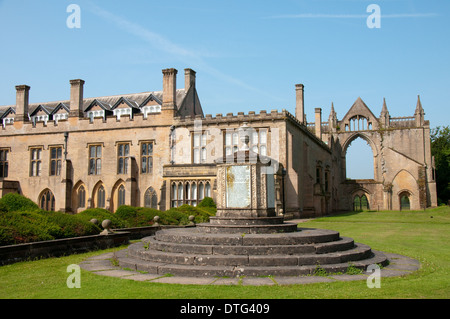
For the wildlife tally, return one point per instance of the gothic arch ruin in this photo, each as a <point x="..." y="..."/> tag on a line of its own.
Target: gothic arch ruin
<point x="403" y="165"/>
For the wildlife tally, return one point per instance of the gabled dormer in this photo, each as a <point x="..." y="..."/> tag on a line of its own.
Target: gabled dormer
<point x="359" y="118"/>
<point x="125" y="107"/>
<point x="151" y="104"/>
<point x="7" y="116"/>
<point x="41" y="114"/>
<point x="98" y="109"/>
<point x="60" y="112"/>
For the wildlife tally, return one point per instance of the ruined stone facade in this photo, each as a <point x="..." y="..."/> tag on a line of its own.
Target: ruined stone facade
<point x="158" y="149"/>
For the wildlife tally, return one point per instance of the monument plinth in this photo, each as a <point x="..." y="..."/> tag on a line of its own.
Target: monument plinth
<point x="246" y="193"/>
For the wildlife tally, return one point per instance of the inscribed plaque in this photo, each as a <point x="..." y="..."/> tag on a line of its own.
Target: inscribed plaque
<point x="238" y="188"/>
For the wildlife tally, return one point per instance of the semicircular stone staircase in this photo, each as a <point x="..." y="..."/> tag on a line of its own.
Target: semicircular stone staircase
<point x="243" y="246"/>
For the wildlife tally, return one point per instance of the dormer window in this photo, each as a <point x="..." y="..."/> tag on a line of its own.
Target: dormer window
<point x="120" y="112"/>
<point x="60" y="117"/>
<point x="95" y="114"/>
<point x="39" y="118"/>
<point x="151" y="109"/>
<point x="8" y="120"/>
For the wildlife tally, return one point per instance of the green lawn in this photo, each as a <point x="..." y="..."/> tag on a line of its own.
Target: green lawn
<point x="423" y="235"/>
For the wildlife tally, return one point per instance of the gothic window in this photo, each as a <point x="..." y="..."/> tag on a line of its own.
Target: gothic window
<point x="199" y="148"/>
<point x="356" y="203"/>
<point x="150" y="198"/>
<point x="231" y="142"/>
<point x="95" y="159"/>
<point x="55" y="161"/>
<point x="35" y="162"/>
<point x="47" y="201"/>
<point x="121" y="196"/>
<point x="189" y="192"/>
<point x="123" y="153"/>
<point x="258" y="141"/>
<point x="81" y="197"/>
<point x="4" y="165"/>
<point x="147" y="157"/>
<point x="101" y="197"/>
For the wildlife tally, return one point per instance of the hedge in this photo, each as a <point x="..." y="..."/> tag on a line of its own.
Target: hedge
<point x="22" y="221"/>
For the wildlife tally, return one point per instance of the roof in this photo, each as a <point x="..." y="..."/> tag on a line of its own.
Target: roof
<point x="134" y="98"/>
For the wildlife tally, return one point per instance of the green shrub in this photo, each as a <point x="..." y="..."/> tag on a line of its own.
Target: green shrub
<point x="201" y="214"/>
<point x="207" y="202"/>
<point x="13" y="202"/>
<point x="101" y="214"/>
<point x="24" y="227"/>
<point x="71" y="225"/>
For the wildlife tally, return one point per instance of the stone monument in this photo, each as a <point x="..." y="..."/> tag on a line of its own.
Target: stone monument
<point x="246" y="237"/>
<point x="246" y="193"/>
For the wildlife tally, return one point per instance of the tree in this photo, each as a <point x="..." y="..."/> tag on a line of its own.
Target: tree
<point x="440" y="149"/>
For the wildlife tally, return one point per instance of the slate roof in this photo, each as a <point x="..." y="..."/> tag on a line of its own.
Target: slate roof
<point x="134" y="98"/>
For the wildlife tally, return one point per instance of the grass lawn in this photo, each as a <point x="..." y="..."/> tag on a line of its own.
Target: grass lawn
<point x="423" y="235"/>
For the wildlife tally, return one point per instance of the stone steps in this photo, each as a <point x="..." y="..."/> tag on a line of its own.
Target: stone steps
<point x="248" y="229"/>
<point x="193" y="252"/>
<point x="320" y="248"/>
<point x="357" y="253"/>
<point x="233" y="271"/>
<point x="302" y="236"/>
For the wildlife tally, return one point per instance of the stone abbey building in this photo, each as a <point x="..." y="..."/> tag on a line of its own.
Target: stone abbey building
<point x="158" y="149"/>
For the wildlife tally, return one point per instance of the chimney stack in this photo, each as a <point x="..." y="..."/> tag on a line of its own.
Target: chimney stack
<point x="22" y="100"/>
<point x="169" y="89"/>
<point x="299" y="103"/>
<point x="76" y="98"/>
<point x="189" y="79"/>
<point x="318" y="123"/>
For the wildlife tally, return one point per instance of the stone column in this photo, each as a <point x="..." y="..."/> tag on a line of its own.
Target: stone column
<point x="169" y="89"/>
<point x="299" y="103"/>
<point x="76" y="98"/>
<point x="22" y="100"/>
<point x="318" y="122"/>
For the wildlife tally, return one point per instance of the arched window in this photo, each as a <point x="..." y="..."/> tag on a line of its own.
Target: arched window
<point x="101" y="197"/>
<point x="81" y="197"/>
<point x="180" y="195"/>
<point x="121" y="196"/>
<point x="207" y="190"/>
<point x="364" y="203"/>
<point x="356" y="203"/>
<point x="201" y="189"/>
<point x="404" y="201"/>
<point x="151" y="199"/>
<point x="47" y="201"/>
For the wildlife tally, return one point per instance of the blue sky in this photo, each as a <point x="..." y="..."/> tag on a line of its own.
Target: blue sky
<point x="248" y="54"/>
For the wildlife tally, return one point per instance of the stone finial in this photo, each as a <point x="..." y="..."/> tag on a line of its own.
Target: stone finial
<point x="244" y="137"/>
<point x="156" y="221"/>
<point x="106" y="224"/>
<point x="191" y="220"/>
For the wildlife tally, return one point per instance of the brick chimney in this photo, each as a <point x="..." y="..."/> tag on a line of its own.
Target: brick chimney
<point x="299" y="103"/>
<point x="318" y="122"/>
<point x="169" y="89"/>
<point x="189" y="79"/>
<point x="22" y="100"/>
<point x="76" y="98"/>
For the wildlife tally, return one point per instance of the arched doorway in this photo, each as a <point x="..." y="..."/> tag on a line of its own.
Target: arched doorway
<point x="360" y="203"/>
<point x="405" y="203"/>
